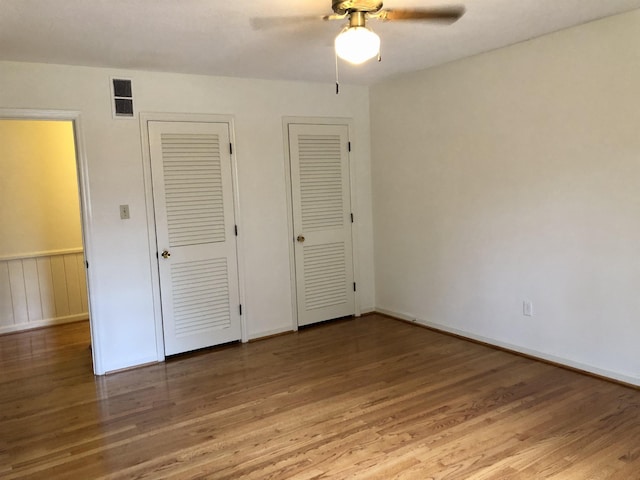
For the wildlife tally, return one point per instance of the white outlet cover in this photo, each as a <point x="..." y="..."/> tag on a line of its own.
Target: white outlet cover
<point x="124" y="212"/>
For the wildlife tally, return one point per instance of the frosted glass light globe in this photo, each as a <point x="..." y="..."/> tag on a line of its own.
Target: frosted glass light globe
<point x="357" y="45"/>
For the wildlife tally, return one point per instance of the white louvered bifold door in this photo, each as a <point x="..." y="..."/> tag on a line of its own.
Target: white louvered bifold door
<point x="322" y="221"/>
<point x="195" y="226"/>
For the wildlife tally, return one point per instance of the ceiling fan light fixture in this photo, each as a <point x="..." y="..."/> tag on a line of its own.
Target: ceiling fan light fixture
<point x="357" y="44"/>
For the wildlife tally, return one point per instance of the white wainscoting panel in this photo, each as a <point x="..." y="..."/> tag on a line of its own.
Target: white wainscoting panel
<point x="41" y="289"/>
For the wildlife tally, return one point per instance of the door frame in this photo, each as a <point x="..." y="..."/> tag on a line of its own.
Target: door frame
<point x="286" y="121"/>
<point x="82" y="169"/>
<point x="146" y="117"/>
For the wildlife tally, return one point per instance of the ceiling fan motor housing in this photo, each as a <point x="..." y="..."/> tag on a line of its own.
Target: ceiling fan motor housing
<point x="343" y="7"/>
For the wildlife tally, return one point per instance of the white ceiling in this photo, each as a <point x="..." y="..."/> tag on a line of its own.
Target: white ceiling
<point x="215" y="37"/>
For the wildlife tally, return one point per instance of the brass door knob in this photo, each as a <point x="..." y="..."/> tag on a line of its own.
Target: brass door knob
<point x="300" y="238"/>
<point x="166" y="254"/>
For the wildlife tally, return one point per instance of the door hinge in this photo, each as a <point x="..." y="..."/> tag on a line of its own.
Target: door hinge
<point x="87" y="264"/>
<point x="240" y="308"/>
<point x="352" y="218"/>
<point x="231" y="148"/>
<point x="349" y="145"/>
<point x="235" y="228"/>
<point x="354" y="286"/>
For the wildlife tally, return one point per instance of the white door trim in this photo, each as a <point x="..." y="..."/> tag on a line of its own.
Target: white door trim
<point x="85" y="212"/>
<point x="286" y="121"/>
<point x="146" y="117"/>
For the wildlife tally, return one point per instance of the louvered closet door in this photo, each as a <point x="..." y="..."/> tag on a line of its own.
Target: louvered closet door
<point x="322" y="221"/>
<point x="193" y="201"/>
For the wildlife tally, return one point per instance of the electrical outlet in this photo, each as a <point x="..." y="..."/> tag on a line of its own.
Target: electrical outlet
<point x="527" y="308"/>
<point x="124" y="212"/>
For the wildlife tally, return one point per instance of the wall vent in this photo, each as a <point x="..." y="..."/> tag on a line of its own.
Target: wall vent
<point x="122" y="97"/>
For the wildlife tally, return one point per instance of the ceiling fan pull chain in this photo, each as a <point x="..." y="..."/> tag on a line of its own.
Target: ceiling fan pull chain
<point x="337" y="81"/>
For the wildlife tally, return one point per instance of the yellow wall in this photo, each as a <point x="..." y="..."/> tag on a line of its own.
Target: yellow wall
<point x="39" y="205"/>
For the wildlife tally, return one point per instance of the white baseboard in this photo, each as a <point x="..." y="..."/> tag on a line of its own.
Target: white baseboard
<point x="518" y="349"/>
<point x="268" y="333"/>
<point x="47" y="322"/>
<point x="402" y="316"/>
<point x="133" y="364"/>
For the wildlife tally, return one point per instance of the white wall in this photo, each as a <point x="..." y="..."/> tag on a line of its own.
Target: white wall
<point x="120" y="269"/>
<point x="515" y="175"/>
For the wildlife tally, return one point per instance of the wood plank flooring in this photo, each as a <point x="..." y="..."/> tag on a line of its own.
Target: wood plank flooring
<point x="368" y="398"/>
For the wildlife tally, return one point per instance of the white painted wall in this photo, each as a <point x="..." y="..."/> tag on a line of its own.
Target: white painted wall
<point x="516" y="175"/>
<point x="120" y="267"/>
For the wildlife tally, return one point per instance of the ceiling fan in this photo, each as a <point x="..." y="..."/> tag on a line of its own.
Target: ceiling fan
<point x="357" y="43"/>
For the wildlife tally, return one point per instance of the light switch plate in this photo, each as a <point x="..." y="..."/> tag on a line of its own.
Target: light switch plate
<point x="124" y="212"/>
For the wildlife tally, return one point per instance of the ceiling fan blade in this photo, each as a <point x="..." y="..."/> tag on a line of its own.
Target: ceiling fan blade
<point x="442" y="15"/>
<point x="265" y="23"/>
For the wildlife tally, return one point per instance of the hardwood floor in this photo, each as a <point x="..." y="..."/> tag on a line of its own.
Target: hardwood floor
<point x="362" y="398"/>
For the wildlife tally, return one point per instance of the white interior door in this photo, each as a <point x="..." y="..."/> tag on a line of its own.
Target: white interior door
<point x="322" y="221"/>
<point x="195" y="228"/>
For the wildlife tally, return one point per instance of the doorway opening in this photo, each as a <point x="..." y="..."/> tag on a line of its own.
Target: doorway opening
<point x="43" y="280"/>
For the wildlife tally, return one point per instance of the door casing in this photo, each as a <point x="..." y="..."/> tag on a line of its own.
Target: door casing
<point x="286" y="121"/>
<point x="151" y="221"/>
<point x="85" y="212"/>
